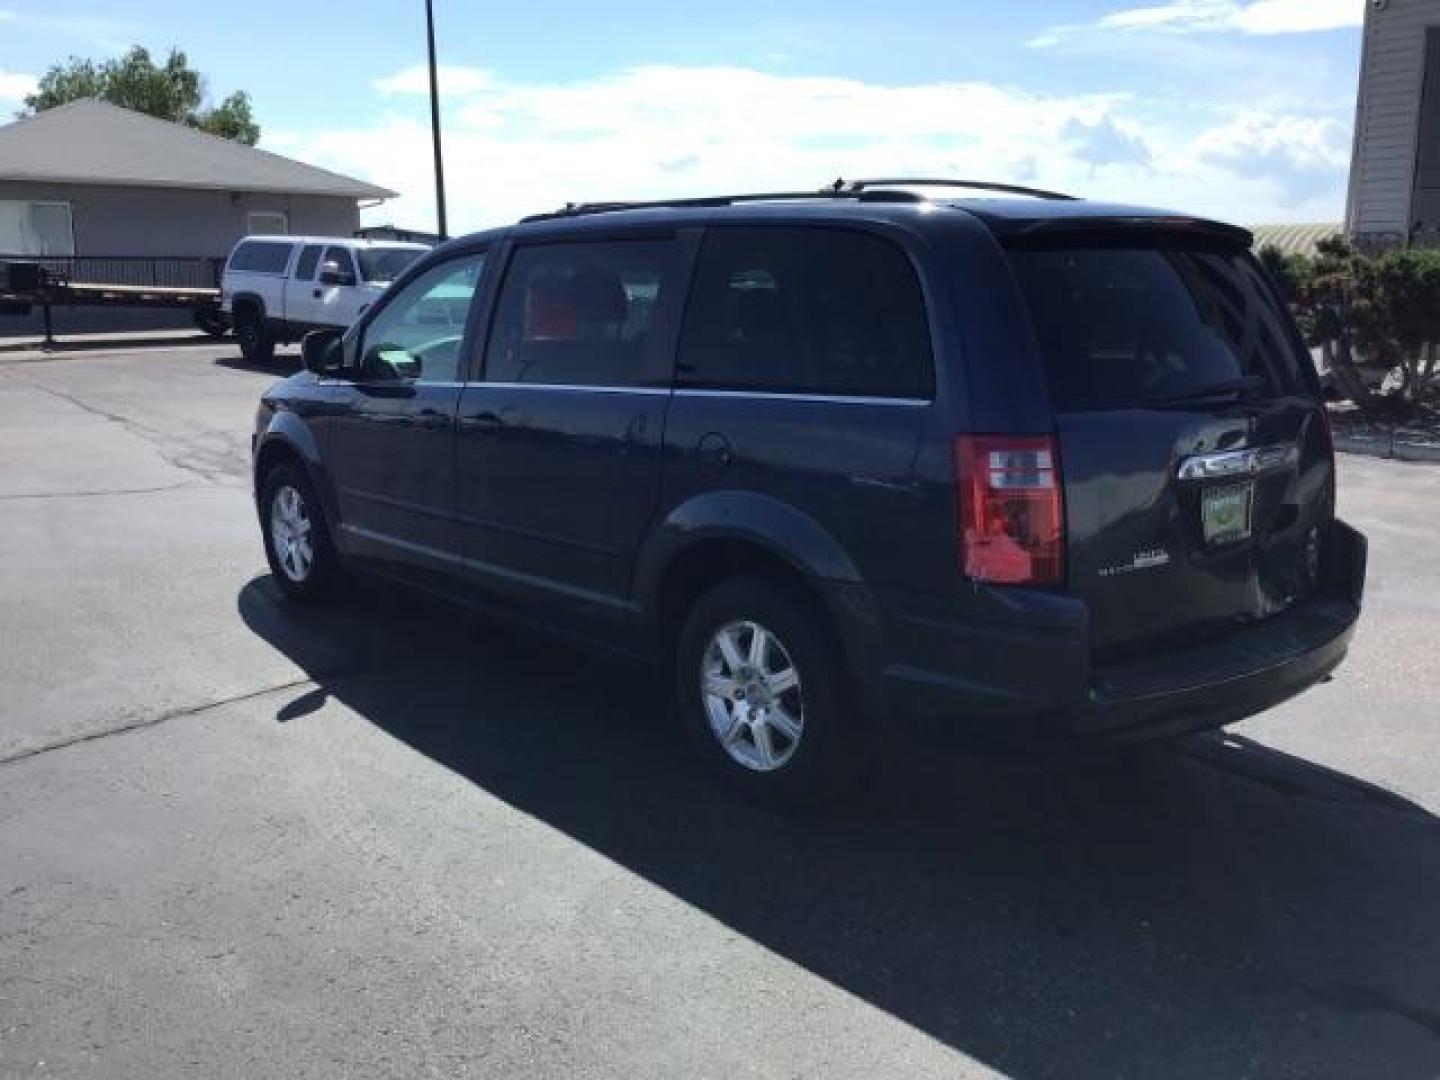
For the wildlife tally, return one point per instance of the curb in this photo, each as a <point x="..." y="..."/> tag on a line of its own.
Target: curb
<point x="73" y="347"/>
<point x="1389" y="447"/>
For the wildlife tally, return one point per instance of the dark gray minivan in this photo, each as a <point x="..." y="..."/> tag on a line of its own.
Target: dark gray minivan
<point x="1027" y="464"/>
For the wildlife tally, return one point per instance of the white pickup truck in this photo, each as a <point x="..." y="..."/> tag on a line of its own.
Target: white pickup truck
<point x="277" y="288"/>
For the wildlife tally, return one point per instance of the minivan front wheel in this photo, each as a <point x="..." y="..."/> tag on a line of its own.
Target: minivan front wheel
<point x="297" y="543"/>
<point x="765" y="695"/>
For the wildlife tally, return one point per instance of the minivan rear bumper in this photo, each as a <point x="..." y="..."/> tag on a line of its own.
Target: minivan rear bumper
<point x="1041" y="685"/>
<point x="1216" y="683"/>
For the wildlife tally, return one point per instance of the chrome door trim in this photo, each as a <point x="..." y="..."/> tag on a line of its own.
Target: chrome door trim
<point x="829" y="399"/>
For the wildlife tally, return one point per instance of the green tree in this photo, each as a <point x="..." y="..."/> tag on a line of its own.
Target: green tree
<point x="1362" y="311"/>
<point x="1396" y="316"/>
<point x="1320" y="291"/>
<point x="171" y="91"/>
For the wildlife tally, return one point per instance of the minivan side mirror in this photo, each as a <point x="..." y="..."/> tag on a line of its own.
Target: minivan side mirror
<point x="331" y="274"/>
<point x="320" y="351"/>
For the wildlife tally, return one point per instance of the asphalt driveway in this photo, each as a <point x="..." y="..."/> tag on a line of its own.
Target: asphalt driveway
<point x="388" y="839"/>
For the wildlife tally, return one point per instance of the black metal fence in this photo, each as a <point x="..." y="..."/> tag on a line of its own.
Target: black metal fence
<point x="155" y="271"/>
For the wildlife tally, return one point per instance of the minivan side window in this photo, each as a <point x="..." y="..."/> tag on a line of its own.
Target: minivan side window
<point x="583" y="314"/>
<point x="305" y="265"/>
<point x="805" y="310"/>
<point x="416" y="336"/>
<point x="261" y="257"/>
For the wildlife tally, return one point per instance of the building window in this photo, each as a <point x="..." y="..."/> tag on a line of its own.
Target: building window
<point x="36" y="228"/>
<point x="266" y="223"/>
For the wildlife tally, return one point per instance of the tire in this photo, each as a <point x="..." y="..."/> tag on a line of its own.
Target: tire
<point x="820" y="751"/>
<point x="212" y="321"/>
<point x="290" y="515"/>
<point x="257" y="344"/>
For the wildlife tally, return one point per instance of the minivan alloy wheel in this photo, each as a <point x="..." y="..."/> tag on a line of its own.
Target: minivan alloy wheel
<point x="752" y="694"/>
<point x="291" y="533"/>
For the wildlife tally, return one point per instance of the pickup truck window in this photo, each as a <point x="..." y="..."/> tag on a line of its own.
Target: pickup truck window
<point x="343" y="262"/>
<point x="416" y="337"/>
<point x="383" y="265"/>
<point x="261" y="257"/>
<point x="305" y="265"/>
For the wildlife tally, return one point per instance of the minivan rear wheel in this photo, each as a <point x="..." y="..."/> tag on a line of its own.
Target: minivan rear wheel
<point x="765" y="694"/>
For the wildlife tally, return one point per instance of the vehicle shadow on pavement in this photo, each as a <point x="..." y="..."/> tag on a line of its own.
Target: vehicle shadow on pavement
<point x="280" y="365"/>
<point x="1206" y="908"/>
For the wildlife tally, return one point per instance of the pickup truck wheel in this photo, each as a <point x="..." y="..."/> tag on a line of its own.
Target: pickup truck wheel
<point x="297" y="541"/>
<point x="256" y="343"/>
<point x="213" y="322"/>
<point x="765" y="695"/>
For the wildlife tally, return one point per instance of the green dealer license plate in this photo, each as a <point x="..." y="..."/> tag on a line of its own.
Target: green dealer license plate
<point x="1225" y="513"/>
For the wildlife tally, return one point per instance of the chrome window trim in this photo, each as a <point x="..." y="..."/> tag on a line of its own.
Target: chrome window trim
<point x="661" y="391"/>
<point x="829" y="399"/>
<point x="574" y="388"/>
<point x="335" y="380"/>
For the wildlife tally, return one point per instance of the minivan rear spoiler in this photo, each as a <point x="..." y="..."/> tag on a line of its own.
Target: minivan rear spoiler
<point x="1017" y="232"/>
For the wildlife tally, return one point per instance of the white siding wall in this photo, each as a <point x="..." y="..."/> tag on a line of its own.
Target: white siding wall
<point x="117" y="220"/>
<point x="1392" y="71"/>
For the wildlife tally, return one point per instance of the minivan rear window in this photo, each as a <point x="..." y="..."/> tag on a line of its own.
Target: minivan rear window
<point x="1150" y="325"/>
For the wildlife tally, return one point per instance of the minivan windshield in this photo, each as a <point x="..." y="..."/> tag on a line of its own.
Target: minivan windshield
<point x="1155" y="325"/>
<point x="385" y="264"/>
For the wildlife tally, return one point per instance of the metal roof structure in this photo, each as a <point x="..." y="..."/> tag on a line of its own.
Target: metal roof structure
<point x="1295" y="239"/>
<point x="94" y="142"/>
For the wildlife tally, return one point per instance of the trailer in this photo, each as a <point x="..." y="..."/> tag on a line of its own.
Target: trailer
<point x="166" y="281"/>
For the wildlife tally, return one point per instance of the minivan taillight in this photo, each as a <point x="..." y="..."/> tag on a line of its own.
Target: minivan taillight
<point x="1012" y="528"/>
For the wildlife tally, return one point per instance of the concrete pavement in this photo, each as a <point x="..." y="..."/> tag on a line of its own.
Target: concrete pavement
<point x="388" y="839"/>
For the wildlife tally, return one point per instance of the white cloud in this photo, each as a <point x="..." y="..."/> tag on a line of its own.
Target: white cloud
<point x="1235" y="16"/>
<point x="452" y="80"/>
<point x="1306" y="143"/>
<point x="513" y="148"/>
<point x="14" y="85"/>
<point x="109" y="34"/>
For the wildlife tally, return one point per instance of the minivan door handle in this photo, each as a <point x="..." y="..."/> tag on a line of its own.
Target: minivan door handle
<point x="432" y="419"/>
<point x="482" y="423"/>
<point x="714" y="451"/>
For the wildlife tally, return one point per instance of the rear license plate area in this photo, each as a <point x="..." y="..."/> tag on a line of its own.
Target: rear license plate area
<point x="1225" y="513"/>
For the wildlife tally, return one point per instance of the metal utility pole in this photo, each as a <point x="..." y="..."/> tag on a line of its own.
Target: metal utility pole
<point x="435" y="122"/>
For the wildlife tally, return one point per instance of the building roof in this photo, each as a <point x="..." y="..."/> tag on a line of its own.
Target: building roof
<point x="1295" y="239"/>
<point x="94" y="142"/>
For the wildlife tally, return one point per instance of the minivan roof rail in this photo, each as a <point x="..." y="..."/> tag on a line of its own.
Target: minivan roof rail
<point x="974" y="185"/>
<point x="868" y="190"/>
<point x="582" y="209"/>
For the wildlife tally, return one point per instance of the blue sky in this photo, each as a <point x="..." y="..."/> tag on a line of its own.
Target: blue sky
<point x="1238" y="108"/>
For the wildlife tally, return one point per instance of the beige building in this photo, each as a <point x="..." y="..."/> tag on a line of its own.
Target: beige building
<point x="91" y="179"/>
